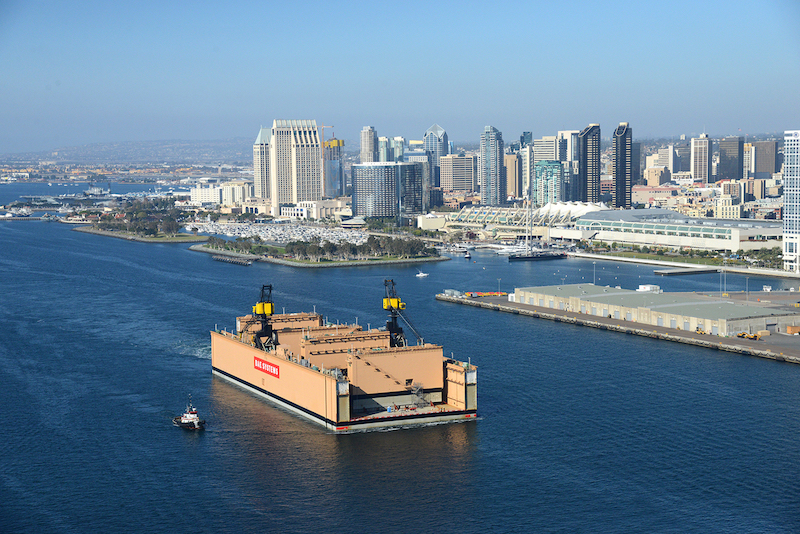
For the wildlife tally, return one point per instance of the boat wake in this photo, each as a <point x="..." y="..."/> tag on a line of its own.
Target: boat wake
<point x="198" y="349"/>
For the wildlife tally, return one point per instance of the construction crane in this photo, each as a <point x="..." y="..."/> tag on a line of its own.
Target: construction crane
<point x="264" y="307"/>
<point x="395" y="307"/>
<point x="262" y="310"/>
<point x="321" y="129"/>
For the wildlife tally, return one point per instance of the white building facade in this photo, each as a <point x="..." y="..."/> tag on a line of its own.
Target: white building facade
<point x="369" y="144"/>
<point x="701" y="159"/>
<point x="458" y="173"/>
<point x="236" y="192"/>
<point x="287" y="163"/>
<point x="206" y="194"/>
<point x="791" y="200"/>
<point x="492" y="167"/>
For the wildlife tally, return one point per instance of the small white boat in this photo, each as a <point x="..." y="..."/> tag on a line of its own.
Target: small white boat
<point x="420" y="274"/>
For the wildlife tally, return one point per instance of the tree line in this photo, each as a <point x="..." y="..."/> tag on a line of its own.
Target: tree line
<point x="319" y="250"/>
<point x="145" y="217"/>
<point x="374" y="247"/>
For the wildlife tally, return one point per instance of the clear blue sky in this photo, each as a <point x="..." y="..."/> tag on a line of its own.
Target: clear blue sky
<point x="84" y="72"/>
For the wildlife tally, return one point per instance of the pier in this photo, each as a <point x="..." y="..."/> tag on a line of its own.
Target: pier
<point x="233" y="259"/>
<point x="689" y="270"/>
<point x="774" y="349"/>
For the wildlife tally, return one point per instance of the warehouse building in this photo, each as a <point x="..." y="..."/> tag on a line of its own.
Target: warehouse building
<point x="648" y="306"/>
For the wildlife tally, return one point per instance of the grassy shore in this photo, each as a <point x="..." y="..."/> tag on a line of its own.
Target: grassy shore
<point x="323" y="263"/>
<point x="160" y="238"/>
<point x="681" y="258"/>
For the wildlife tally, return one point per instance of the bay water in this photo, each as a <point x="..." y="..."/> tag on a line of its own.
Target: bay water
<point x="580" y="430"/>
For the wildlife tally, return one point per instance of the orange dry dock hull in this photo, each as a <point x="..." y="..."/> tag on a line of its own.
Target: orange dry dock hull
<point x="343" y="377"/>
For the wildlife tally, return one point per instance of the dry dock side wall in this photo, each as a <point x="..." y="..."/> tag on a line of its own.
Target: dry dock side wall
<point x="311" y="392"/>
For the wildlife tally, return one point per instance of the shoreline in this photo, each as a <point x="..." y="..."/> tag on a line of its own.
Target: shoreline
<point x="321" y="265"/>
<point x="751" y="271"/>
<point x="130" y="237"/>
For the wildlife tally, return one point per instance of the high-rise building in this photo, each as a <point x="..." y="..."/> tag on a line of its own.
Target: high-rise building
<point x="586" y="188"/>
<point x="731" y="150"/>
<point x="791" y="201"/>
<point x="683" y="159"/>
<point x="261" y="164"/>
<point x="549" y="148"/>
<point x="334" y="170"/>
<point x="656" y="176"/>
<point x="235" y="192"/>
<point x="459" y="173"/>
<point x="570" y="138"/>
<point x="387" y="189"/>
<point x="369" y="144"/>
<point x="748" y="160"/>
<point x="491" y="169"/>
<point x="525" y="139"/>
<point x="547" y="183"/>
<point x="527" y="171"/>
<point x="636" y="163"/>
<point x="435" y="142"/>
<point x="622" y="163"/>
<point x="766" y="159"/>
<point x="701" y="159"/>
<point x="423" y="157"/>
<point x="384" y="150"/>
<point x="667" y="157"/>
<point x="295" y="162"/>
<point x="397" y="145"/>
<point x="287" y="163"/>
<point x="513" y="175"/>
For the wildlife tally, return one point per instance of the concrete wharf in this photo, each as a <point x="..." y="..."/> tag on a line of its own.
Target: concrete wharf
<point x="779" y="347"/>
<point x="690" y="270"/>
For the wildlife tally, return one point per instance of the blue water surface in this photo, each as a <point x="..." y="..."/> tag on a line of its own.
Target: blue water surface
<point x="580" y="430"/>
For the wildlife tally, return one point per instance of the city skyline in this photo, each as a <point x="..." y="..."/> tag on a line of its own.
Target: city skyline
<point x="97" y="73"/>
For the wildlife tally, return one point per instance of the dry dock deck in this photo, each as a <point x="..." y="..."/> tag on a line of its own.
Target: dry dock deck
<point x="775" y="347"/>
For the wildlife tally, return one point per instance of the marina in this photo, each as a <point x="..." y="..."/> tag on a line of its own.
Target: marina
<point x="281" y="233"/>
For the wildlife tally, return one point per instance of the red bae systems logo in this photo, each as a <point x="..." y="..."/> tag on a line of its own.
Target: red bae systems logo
<point x="266" y="367"/>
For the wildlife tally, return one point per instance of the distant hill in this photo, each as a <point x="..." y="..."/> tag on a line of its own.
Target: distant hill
<point x="232" y="151"/>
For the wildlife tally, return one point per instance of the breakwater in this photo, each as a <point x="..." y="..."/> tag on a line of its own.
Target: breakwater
<point x="229" y="259"/>
<point x="626" y="327"/>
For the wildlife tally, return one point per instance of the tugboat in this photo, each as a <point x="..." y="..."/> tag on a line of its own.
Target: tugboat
<point x="189" y="420"/>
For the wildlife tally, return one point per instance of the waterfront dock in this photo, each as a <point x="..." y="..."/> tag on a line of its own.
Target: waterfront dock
<point x="779" y="347"/>
<point x="231" y="259"/>
<point x="688" y="270"/>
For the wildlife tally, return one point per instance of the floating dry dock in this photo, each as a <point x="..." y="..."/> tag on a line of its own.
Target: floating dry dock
<point x="342" y="376"/>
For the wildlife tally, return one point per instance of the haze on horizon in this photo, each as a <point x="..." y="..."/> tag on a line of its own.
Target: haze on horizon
<point x="97" y="72"/>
